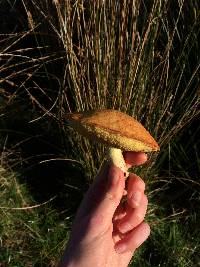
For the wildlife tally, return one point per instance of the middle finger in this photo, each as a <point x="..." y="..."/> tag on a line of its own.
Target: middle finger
<point x="133" y="217"/>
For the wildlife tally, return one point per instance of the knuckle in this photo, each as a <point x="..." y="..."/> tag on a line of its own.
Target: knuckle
<point x="140" y="183"/>
<point x="112" y="197"/>
<point x="145" y="199"/>
<point x="96" y="220"/>
<point x="139" y="217"/>
<point x="136" y="181"/>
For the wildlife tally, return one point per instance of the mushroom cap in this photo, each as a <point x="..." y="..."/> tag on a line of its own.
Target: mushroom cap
<point x="114" y="129"/>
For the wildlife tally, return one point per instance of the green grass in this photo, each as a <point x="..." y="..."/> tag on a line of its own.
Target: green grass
<point x="31" y="233"/>
<point x="35" y="234"/>
<point x="141" y="58"/>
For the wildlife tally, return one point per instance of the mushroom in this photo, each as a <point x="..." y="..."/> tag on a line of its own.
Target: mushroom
<point x="115" y="129"/>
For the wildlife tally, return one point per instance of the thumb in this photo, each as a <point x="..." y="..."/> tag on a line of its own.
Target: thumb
<point x="106" y="195"/>
<point x="95" y="214"/>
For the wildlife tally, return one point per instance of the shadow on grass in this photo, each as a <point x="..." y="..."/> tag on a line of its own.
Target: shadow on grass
<point x="37" y="153"/>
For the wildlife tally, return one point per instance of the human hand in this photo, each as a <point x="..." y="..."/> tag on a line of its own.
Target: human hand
<point x="106" y="230"/>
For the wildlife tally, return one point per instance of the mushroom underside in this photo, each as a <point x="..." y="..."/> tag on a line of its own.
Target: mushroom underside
<point x="113" y="139"/>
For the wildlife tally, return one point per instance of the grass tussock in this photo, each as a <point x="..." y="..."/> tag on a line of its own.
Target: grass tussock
<point x="129" y="56"/>
<point x="65" y="56"/>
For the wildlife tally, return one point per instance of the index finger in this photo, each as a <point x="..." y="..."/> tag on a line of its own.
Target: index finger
<point x="134" y="158"/>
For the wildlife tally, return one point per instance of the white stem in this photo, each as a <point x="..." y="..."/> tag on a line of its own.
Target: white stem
<point x="115" y="157"/>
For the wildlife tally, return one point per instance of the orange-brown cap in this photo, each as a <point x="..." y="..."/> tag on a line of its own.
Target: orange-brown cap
<point x="113" y="128"/>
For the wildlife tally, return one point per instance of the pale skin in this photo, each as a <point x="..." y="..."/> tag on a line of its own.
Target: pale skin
<point x="107" y="230"/>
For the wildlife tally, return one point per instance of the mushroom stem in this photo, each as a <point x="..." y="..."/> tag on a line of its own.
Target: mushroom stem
<point x="116" y="158"/>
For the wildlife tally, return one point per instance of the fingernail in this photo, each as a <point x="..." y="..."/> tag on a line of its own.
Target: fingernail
<point x="124" y="227"/>
<point x="120" y="248"/>
<point x="136" y="197"/>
